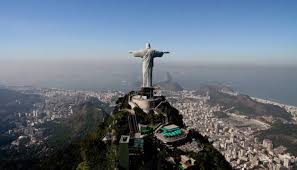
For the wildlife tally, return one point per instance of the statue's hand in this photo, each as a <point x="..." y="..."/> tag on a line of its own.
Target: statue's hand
<point x="166" y="52"/>
<point x="130" y="52"/>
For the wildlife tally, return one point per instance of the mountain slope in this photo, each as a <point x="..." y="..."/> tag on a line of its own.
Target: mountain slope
<point x="243" y="104"/>
<point x="94" y="154"/>
<point x="282" y="134"/>
<point x="61" y="135"/>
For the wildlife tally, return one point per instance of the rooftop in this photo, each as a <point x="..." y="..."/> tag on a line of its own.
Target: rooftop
<point x="136" y="143"/>
<point x="171" y="133"/>
<point x="124" y="139"/>
<point x="172" y="126"/>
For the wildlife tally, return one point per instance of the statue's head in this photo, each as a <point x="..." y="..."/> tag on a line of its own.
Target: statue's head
<point x="147" y="46"/>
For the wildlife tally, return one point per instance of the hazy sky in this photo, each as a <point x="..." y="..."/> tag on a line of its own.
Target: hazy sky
<point x="256" y="31"/>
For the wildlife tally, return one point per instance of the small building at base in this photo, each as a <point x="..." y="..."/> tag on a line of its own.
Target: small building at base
<point x="171" y="134"/>
<point x="131" y="149"/>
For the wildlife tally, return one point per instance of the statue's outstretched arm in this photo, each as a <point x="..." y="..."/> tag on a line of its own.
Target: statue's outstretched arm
<point x="139" y="53"/>
<point x="160" y="54"/>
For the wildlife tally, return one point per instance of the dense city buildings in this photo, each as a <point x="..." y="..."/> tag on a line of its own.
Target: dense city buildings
<point x="57" y="105"/>
<point x="232" y="134"/>
<point x="234" y="137"/>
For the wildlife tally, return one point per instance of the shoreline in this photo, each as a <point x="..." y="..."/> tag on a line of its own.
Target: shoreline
<point x="270" y="101"/>
<point x="289" y="108"/>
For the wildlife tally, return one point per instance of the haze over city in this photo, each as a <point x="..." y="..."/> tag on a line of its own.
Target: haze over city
<point x="72" y="44"/>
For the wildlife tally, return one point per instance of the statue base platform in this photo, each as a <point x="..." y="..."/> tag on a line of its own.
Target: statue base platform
<point x="147" y="91"/>
<point x="146" y="104"/>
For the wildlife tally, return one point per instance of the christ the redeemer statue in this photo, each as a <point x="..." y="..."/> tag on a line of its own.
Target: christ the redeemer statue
<point x="147" y="56"/>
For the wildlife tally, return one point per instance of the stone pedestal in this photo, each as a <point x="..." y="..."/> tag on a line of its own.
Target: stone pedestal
<point x="146" y="104"/>
<point x="147" y="91"/>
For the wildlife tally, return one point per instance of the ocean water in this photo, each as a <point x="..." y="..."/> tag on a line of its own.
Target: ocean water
<point x="277" y="83"/>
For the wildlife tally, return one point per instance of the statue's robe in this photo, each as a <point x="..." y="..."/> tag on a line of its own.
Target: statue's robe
<point x="148" y="56"/>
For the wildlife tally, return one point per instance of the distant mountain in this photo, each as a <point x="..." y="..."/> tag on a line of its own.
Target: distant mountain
<point x="243" y="104"/>
<point x="59" y="134"/>
<point x="169" y="84"/>
<point x="12" y="102"/>
<point x="84" y="120"/>
<point x="282" y="134"/>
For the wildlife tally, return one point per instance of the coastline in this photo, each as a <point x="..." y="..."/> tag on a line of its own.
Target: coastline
<point x="289" y="108"/>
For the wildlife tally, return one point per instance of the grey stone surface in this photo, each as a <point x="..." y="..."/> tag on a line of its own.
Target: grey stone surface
<point x="148" y="54"/>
